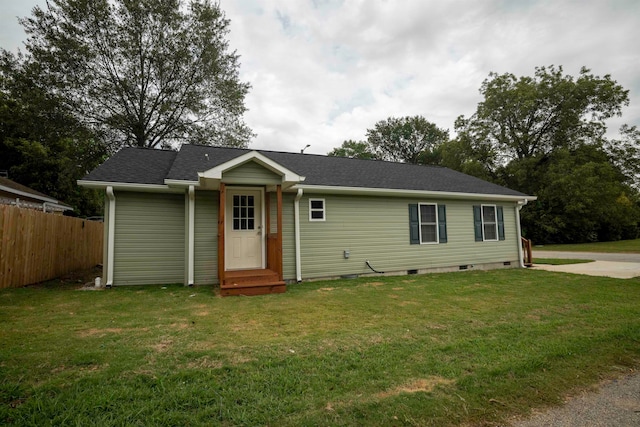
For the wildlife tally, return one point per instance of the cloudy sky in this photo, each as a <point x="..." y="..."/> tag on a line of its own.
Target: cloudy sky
<point x="323" y="71"/>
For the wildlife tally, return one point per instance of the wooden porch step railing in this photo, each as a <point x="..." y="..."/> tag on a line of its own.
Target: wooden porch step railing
<point x="527" y="252"/>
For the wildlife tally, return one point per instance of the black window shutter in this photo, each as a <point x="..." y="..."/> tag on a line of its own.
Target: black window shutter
<point x="477" y="222"/>
<point x="442" y="223"/>
<point x="500" y="214"/>
<point x="414" y="225"/>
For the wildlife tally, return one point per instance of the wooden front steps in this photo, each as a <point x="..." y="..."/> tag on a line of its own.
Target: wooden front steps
<point x="251" y="282"/>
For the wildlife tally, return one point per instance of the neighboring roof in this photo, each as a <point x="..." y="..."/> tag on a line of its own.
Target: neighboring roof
<point x="144" y="166"/>
<point x="11" y="186"/>
<point x="23" y="192"/>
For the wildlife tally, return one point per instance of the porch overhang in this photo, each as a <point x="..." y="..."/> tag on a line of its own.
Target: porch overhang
<point x="211" y="179"/>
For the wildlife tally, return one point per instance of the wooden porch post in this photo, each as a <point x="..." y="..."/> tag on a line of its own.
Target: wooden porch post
<point x="221" y="212"/>
<point x="279" y="236"/>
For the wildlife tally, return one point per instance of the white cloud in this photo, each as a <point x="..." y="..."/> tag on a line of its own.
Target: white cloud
<point x="323" y="71"/>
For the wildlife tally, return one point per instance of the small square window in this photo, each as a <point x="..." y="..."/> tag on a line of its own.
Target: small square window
<point x="317" y="210"/>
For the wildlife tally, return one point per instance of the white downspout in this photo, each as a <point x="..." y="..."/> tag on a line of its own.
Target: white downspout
<point x="520" y="205"/>
<point x="111" y="236"/>
<point x="296" y="224"/>
<point x="192" y="219"/>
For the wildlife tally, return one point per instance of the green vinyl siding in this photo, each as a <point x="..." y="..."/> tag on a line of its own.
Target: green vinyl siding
<point x="206" y="238"/>
<point x="251" y="173"/>
<point x="149" y="238"/>
<point x="377" y="229"/>
<point x="288" y="237"/>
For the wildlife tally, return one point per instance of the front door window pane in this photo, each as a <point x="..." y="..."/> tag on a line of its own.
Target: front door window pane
<point x="243" y="212"/>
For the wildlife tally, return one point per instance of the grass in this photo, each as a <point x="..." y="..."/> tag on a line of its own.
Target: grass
<point x="560" y="261"/>
<point x="622" y="246"/>
<point x="471" y="348"/>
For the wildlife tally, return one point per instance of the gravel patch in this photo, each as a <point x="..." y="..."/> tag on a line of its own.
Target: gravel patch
<point x="615" y="404"/>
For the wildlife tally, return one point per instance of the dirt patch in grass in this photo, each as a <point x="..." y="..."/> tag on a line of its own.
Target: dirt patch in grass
<point x="374" y="284"/>
<point x="406" y="303"/>
<point x="74" y="280"/>
<point x="162" y="346"/>
<point x="239" y="359"/>
<point x="425" y="385"/>
<point x="96" y="332"/>
<point x="243" y="326"/>
<point x="205" y="363"/>
<point x="100" y="332"/>
<point x="179" y="326"/>
<point x="325" y="289"/>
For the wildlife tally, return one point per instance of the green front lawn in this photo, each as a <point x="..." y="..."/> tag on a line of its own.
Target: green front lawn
<point x="441" y="349"/>
<point x="622" y="246"/>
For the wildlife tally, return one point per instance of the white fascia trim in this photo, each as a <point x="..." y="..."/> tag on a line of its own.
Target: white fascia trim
<point x="28" y="195"/>
<point x="55" y="207"/>
<point x="181" y="183"/>
<point x="286" y="174"/>
<point x="390" y="192"/>
<point x="127" y="186"/>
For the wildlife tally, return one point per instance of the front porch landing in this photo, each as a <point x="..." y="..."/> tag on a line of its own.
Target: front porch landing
<point x="251" y="282"/>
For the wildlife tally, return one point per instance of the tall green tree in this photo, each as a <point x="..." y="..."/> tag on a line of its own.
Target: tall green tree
<point x="42" y="144"/>
<point x="545" y="135"/>
<point x="582" y="197"/>
<point x="625" y="153"/>
<point x="145" y="73"/>
<point x="353" y="150"/>
<point x="521" y="117"/>
<point x="406" y="139"/>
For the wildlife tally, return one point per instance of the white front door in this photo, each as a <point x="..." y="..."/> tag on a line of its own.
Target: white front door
<point x="244" y="239"/>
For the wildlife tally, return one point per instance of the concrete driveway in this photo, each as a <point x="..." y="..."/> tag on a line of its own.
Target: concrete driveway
<point x="619" y="266"/>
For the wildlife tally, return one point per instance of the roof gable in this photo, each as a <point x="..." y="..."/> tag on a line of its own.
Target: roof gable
<point x="216" y="172"/>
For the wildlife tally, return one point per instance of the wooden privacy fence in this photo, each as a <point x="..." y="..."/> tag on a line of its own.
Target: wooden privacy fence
<point x="37" y="246"/>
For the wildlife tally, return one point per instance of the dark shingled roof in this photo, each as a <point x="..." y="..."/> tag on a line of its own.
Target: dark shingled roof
<point x="143" y="166"/>
<point x="135" y="166"/>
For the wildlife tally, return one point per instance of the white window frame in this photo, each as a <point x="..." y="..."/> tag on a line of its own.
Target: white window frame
<point x="435" y="205"/>
<point x="495" y="213"/>
<point x="323" y="210"/>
